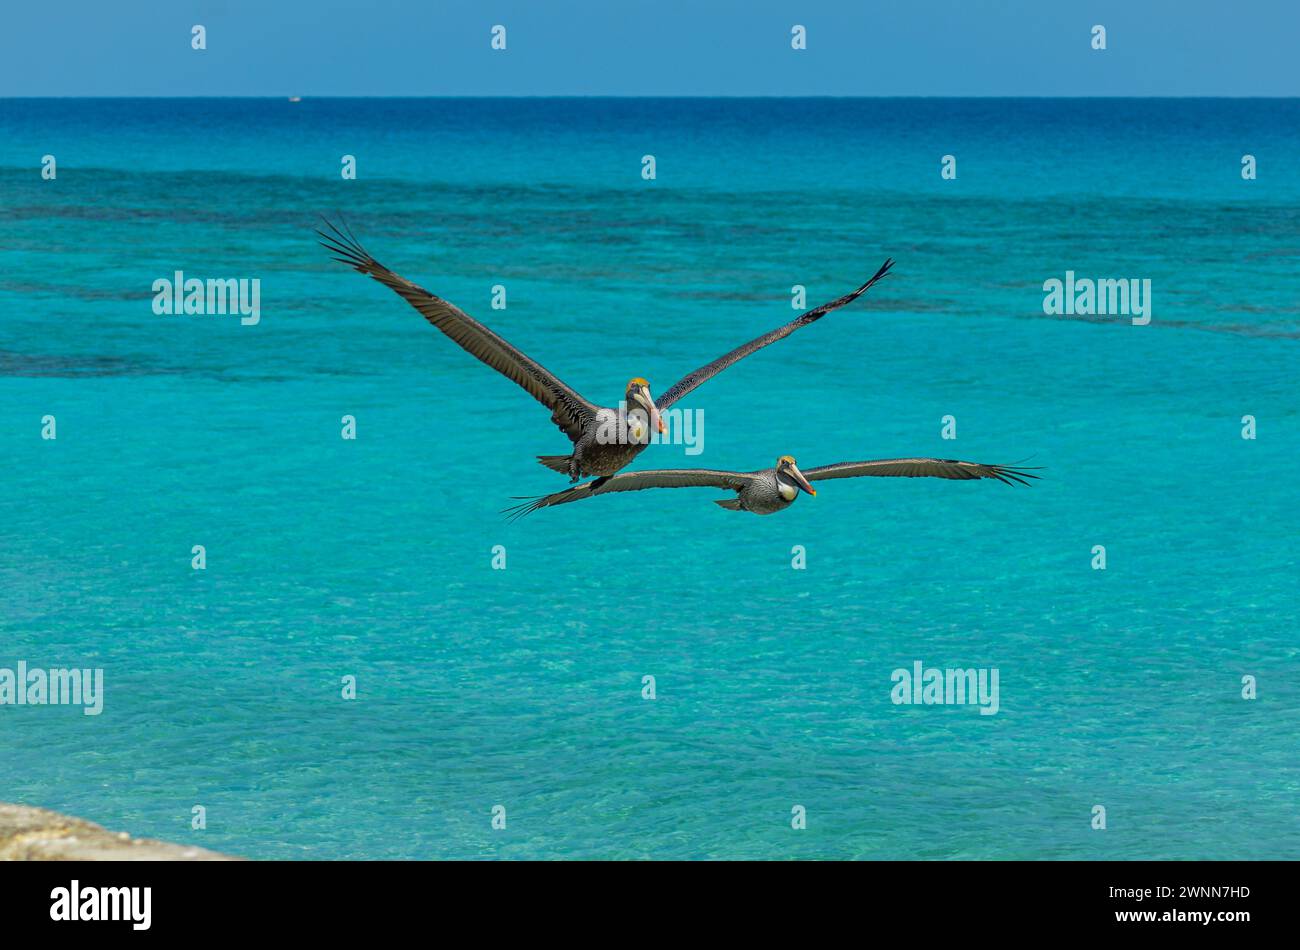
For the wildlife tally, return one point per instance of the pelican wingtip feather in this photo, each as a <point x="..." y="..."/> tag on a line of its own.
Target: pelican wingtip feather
<point x="344" y="244"/>
<point x="1009" y="474"/>
<point x="528" y="504"/>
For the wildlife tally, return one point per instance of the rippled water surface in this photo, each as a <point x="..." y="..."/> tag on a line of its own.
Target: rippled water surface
<point x="523" y="687"/>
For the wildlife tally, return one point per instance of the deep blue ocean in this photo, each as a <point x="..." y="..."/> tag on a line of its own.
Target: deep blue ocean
<point x="522" y="687"/>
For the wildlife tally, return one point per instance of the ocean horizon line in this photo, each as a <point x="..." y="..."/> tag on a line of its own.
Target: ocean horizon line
<point x="985" y="98"/>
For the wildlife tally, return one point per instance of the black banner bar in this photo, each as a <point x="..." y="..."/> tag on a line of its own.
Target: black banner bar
<point x="1223" y="901"/>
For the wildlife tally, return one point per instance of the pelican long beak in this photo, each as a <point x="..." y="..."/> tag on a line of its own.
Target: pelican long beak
<point x="642" y="396"/>
<point x="800" y="480"/>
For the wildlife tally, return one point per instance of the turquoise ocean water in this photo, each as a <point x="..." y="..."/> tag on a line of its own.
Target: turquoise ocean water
<point x="522" y="687"/>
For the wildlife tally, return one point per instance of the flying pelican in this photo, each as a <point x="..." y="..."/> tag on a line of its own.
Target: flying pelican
<point x="604" y="440"/>
<point x="771" y="490"/>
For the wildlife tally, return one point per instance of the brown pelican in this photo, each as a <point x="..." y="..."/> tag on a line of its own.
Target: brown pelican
<point x="604" y="440"/>
<point x="771" y="490"/>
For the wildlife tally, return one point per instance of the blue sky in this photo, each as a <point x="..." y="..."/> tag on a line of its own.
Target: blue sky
<point x="660" y="47"/>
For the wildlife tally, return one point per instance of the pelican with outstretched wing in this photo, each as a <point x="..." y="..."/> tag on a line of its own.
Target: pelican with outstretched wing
<point x="770" y="490"/>
<point x="604" y="440"/>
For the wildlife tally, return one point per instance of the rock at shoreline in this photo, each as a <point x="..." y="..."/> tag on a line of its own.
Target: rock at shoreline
<point x="35" y="834"/>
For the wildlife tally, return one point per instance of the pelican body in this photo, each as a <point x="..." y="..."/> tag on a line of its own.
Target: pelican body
<point x="770" y="490"/>
<point x="594" y="453"/>
<point x="586" y="424"/>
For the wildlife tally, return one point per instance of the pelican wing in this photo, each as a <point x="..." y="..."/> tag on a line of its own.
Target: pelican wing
<point x="685" y="385"/>
<point x="636" y="481"/>
<point x="568" y="409"/>
<point x="921" y="468"/>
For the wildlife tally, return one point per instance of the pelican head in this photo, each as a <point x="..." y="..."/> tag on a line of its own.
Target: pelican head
<point x="638" y="392"/>
<point x="789" y="476"/>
